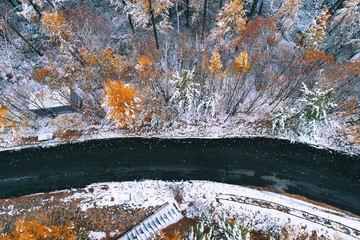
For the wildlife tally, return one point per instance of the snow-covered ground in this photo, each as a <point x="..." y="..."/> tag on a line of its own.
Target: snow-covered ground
<point x="257" y="209"/>
<point x="246" y="126"/>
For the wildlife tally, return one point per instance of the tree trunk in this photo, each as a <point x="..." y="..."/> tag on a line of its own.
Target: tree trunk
<point x="129" y="18"/>
<point x="337" y="25"/>
<point x="336" y="6"/>
<point x="204" y="19"/>
<point x="253" y="7"/>
<point x="12" y="4"/>
<point x="51" y="3"/>
<point x="177" y="17"/>
<point x="22" y="37"/>
<point x="153" y="23"/>
<point x="187" y="14"/>
<point x="35" y="8"/>
<point x="17" y="2"/>
<point x="5" y="36"/>
<point x="170" y="13"/>
<point x="261" y="7"/>
<point x="131" y="24"/>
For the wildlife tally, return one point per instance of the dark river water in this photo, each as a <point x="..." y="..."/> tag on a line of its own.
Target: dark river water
<point x="320" y="175"/>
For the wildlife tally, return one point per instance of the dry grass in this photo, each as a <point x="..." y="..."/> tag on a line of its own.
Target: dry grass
<point x="68" y="135"/>
<point x="51" y="209"/>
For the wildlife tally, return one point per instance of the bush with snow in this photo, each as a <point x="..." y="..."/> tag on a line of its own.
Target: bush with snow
<point x="217" y="226"/>
<point x="187" y="97"/>
<point x="186" y="91"/>
<point x="308" y="116"/>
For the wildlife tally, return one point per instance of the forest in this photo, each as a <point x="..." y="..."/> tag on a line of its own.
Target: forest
<point x="287" y="68"/>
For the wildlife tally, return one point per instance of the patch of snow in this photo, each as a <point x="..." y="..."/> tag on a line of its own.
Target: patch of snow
<point x="45" y="136"/>
<point x="355" y="57"/>
<point x="96" y="235"/>
<point x="48" y="99"/>
<point x="10" y="210"/>
<point x="144" y="194"/>
<point x="114" y="233"/>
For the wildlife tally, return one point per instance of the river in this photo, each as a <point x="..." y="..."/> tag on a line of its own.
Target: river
<point x="295" y="168"/>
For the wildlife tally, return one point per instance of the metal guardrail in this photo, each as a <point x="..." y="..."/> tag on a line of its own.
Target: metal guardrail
<point x="355" y="233"/>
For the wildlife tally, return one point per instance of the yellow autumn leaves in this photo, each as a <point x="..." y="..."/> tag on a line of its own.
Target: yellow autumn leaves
<point x="214" y="65"/>
<point x="242" y="63"/>
<point x="121" y="102"/>
<point x="7" y="120"/>
<point x="120" y="99"/>
<point x="232" y="17"/>
<point x="3" y="114"/>
<point x="55" y="25"/>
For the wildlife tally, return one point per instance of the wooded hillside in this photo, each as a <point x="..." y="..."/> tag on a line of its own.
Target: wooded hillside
<point x="147" y="64"/>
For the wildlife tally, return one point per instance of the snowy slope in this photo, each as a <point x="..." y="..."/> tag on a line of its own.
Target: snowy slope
<point x="258" y="209"/>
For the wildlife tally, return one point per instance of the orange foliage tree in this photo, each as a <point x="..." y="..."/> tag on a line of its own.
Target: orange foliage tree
<point x="3" y="115"/>
<point x="57" y="29"/>
<point x="86" y="66"/>
<point x="96" y="67"/>
<point x="106" y="62"/>
<point x="49" y="75"/>
<point x="309" y="64"/>
<point x="121" y="102"/>
<point x="8" y="120"/>
<point x="214" y="66"/>
<point x="143" y="63"/>
<point x="34" y="230"/>
<point x="242" y="63"/>
<point x="260" y="32"/>
<point x="146" y="70"/>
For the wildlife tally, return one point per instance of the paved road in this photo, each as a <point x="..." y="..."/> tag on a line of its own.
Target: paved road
<point x="320" y="175"/>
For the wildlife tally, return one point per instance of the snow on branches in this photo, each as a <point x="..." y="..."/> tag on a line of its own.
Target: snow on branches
<point x="316" y="103"/>
<point x="57" y="29"/>
<point x="347" y="26"/>
<point x="140" y="12"/>
<point x="309" y="115"/>
<point x="186" y="91"/>
<point x="187" y="97"/>
<point x="33" y="9"/>
<point x="315" y="36"/>
<point x="231" y="19"/>
<point x="288" y="14"/>
<point x="216" y="226"/>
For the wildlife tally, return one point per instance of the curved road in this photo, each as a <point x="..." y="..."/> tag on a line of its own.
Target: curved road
<point x="320" y="175"/>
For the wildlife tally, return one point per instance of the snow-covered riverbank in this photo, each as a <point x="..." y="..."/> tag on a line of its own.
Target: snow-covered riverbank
<point x="216" y="129"/>
<point x="262" y="210"/>
<point x="259" y="210"/>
